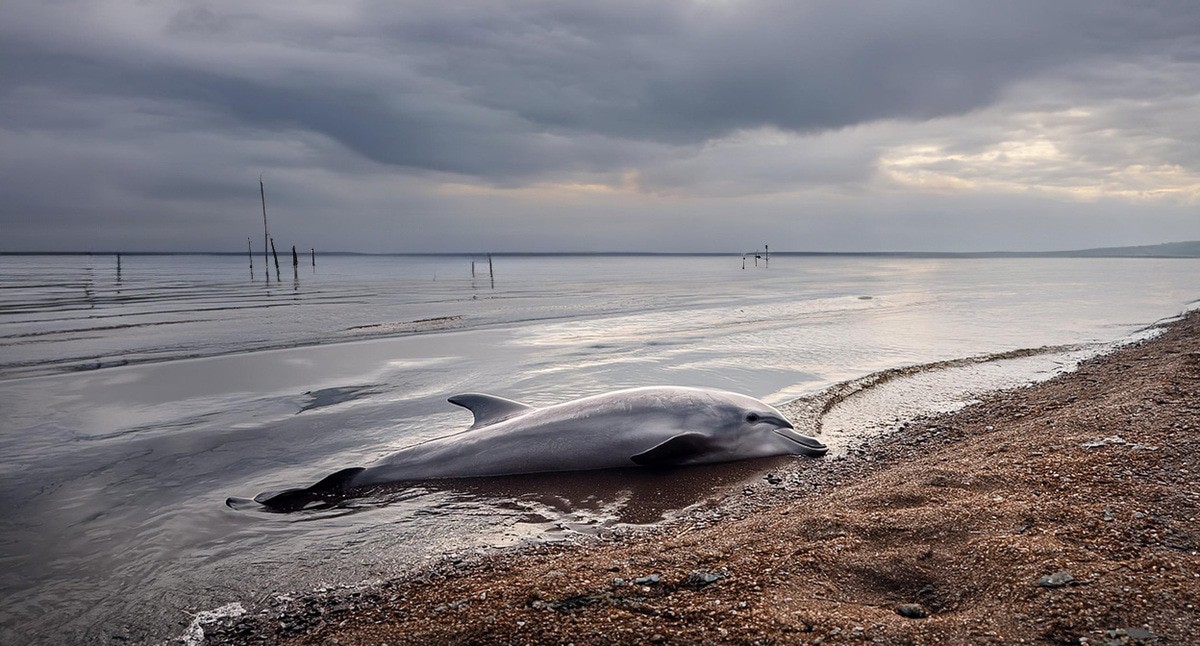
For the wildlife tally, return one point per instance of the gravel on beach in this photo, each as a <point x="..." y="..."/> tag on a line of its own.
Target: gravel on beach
<point x="1061" y="513"/>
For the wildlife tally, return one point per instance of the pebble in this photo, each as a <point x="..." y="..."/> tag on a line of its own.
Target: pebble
<point x="701" y="578"/>
<point x="912" y="611"/>
<point x="1140" y="633"/>
<point x="1116" y="440"/>
<point x="1056" y="580"/>
<point x="647" y="580"/>
<point x="1123" y="636"/>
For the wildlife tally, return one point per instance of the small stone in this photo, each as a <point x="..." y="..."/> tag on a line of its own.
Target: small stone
<point x="1111" y="439"/>
<point x="1108" y="516"/>
<point x="1140" y="634"/>
<point x="701" y="578"/>
<point x="647" y="580"/>
<point x="1056" y="580"/>
<point x="912" y="611"/>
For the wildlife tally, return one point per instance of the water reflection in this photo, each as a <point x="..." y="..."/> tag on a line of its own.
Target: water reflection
<point x="634" y="496"/>
<point x="581" y="501"/>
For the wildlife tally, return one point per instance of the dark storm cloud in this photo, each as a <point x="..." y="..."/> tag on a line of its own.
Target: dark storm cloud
<point x="161" y="113"/>
<point x="516" y="89"/>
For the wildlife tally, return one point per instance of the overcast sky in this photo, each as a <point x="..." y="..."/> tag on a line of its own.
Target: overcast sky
<point x="709" y="125"/>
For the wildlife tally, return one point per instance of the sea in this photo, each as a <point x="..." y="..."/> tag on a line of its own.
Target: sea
<point x="138" y="394"/>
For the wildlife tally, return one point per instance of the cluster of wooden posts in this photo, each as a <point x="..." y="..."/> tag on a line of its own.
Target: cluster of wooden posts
<point x="491" y="272"/>
<point x="267" y="239"/>
<point x="764" y="255"/>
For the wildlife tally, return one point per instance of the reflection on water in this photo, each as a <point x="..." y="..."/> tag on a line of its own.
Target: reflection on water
<point x="539" y="506"/>
<point x="635" y="496"/>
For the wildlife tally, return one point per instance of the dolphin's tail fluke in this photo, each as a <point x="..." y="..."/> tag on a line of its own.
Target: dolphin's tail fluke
<point x="330" y="489"/>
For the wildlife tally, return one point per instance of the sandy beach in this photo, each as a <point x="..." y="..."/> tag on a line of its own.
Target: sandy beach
<point x="1061" y="513"/>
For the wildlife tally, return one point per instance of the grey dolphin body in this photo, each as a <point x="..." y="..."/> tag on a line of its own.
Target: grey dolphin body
<point x="657" y="426"/>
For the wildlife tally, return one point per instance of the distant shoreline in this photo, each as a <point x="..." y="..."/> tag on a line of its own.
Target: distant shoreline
<point x="1190" y="249"/>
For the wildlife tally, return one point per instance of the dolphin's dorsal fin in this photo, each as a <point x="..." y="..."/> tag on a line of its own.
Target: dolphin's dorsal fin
<point x="489" y="409"/>
<point x="675" y="451"/>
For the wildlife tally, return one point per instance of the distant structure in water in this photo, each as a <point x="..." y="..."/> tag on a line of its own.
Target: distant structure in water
<point x="269" y="243"/>
<point x="491" y="272"/>
<point x="764" y="255"/>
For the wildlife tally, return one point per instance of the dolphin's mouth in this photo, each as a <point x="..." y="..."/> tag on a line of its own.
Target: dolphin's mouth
<point x="808" y="446"/>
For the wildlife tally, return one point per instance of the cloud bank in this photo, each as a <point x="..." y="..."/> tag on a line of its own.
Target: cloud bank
<point x="698" y="125"/>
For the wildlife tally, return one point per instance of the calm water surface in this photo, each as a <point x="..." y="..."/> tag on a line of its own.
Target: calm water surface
<point x="136" y="402"/>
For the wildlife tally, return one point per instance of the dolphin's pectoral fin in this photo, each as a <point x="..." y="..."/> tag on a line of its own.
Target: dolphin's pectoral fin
<point x="331" y="488"/>
<point x="489" y="409"/>
<point x="676" y="450"/>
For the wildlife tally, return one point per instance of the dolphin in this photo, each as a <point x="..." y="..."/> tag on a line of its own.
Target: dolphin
<point x="651" y="427"/>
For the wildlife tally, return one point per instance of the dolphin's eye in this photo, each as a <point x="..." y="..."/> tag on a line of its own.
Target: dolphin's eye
<point x="752" y="418"/>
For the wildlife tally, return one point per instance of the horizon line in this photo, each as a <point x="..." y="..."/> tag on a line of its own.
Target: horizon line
<point x="1118" y="251"/>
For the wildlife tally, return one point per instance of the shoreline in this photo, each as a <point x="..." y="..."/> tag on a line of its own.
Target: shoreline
<point x="1048" y="514"/>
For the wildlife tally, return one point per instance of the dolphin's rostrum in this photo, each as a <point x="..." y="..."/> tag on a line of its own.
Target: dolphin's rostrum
<point x="653" y="427"/>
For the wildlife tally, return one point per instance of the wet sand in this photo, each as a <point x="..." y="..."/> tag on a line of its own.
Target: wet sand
<point x="1062" y="513"/>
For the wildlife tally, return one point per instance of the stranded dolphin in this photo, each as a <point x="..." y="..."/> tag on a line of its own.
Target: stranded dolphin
<point x="655" y="427"/>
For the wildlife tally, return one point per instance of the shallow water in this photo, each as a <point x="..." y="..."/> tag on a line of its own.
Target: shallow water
<point x="212" y="384"/>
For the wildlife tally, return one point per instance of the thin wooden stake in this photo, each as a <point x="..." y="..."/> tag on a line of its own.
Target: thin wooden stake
<point x="276" y="260"/>
<point x="491" y="273"/>
<point x="266" y="261"/>
<point x="250" y="254"/>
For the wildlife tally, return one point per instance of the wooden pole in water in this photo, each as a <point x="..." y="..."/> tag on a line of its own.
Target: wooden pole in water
<point x="767" y="248"/>
<point x="295" y="258"/>
<point x="314" y="256"/>
<point x="276" y="260"/>
<point x="250" y="254"/>
<point x="266" y="261"/>
<point x="491" y="274"/>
